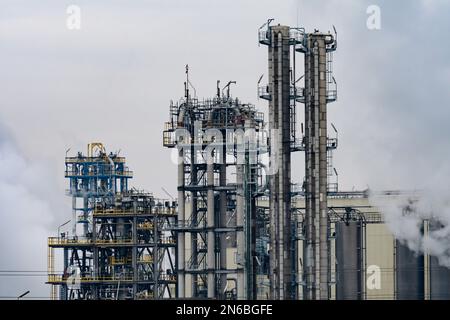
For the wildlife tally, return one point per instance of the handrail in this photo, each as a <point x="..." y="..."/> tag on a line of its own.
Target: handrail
<point x="120" y="173"/>
<point x="56" y="241"/>
<point x="121" y="278"/>
<point x="93" y="159"/>
<point x="118" y="211"/>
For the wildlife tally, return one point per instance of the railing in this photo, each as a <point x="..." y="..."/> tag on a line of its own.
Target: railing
<point x="144" y="296"/>
<point x="55" y="278"/>
<point x="131" y="211"/>
<point x="76" y="173"/>
<point x="84" y="159"/>
<point x="60" y="278"/>
<point x="145" y="225"/>
<point x="167" y="240"/>
<point x="119" y="261"/>
<point x="296" y="36"/>
<point x="332" y="187"/>
<point x="53" y="241"/>
<point x="264" y="36"/>
<point x="297" y="145"/>
<point x="259" y="116"/>
<point x="294" y="93"/>
<point x="296" y="188"/>
<point x="331" y="95"/>
<point x="169" y="137"/>
<point x="263" y="92"/>
<point x="114" y="241"/>
<point x="167" y="277"/>
<point x="145" y="259"/>
<point x="300" y="95"/>
<point x="332" y="143"/>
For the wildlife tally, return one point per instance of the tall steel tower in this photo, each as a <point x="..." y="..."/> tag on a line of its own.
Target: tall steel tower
<point x="281" y="96"/>
<point x="282" y="93"/>
<point x="320" y="89"/>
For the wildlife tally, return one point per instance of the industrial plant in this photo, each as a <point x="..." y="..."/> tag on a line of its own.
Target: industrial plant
<point x="240" y="227"/>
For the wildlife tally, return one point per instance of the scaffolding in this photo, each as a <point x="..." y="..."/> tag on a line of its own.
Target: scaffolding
<point x="125" y="248"/>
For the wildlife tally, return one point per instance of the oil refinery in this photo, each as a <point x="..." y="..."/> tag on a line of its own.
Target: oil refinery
<point x="241" y="228"/>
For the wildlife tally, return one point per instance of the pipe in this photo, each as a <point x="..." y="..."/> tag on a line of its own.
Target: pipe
<point x="113" y="174"/>
<point x="210" y="224"/>
<point x="181" y="220"/>
<point x="240" y="237"/>
<point x="223" y="217"/>
<point x="309" y="252"/>
<point x="280" y="204"/>
<point x="321" y="123"/>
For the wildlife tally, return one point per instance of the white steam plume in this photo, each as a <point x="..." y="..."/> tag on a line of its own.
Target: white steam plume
<point x="26" y="211"/>
<point x="405" y="214"/>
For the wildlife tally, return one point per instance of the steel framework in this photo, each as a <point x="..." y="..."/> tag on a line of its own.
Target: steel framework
<point x="124" y="248"/>
<point x="215" y="140"/>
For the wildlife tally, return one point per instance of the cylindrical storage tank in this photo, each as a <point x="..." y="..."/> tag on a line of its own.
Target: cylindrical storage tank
<point x="439" y="280"/>
<point x="409" y="273"/>
<point x="349" y="261"/>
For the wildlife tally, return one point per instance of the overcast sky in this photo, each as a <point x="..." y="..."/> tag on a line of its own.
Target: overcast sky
<point x="112" y="81"/>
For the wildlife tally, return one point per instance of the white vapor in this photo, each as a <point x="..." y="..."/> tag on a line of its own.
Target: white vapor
<point x="26" y="219"/>
<point x="405" y="216"/>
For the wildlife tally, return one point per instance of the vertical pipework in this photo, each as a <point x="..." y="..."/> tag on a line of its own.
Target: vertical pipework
<point x="250" y="189"/>
<point x="240" y="237"/>
<point x="134" y="251"/>
<point x="320" y="76"/>
<point x="181" y="219"/>
<point x="194" y="214"/>
<point x="223" y="217"/>
<point x="73" y="190"/>
<point x="316" y="168"/>
<point x="85" y="214"/>
<point x="279" y="92"/>
<point x="210" y="259"/>
<point x="156" y="258"/>
<point x="74" y="211"/>
<point x="273" y="180"/>
<point x="281" y="278"/>
<point x="63" y="289"/>
<point x="51" y="270"/>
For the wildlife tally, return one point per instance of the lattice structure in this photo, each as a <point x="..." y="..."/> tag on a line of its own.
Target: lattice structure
<point x="217" y="179"/>
<point x="123" y="247"/>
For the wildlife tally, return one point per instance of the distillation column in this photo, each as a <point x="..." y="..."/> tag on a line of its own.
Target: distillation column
<point x="281" y="281"/>
<point x="316" y="165"/>
<point x="181" y="218"/>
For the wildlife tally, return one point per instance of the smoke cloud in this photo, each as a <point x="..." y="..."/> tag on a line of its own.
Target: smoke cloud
<point x="405" y="216"/>
<point x="27" y="216"/>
